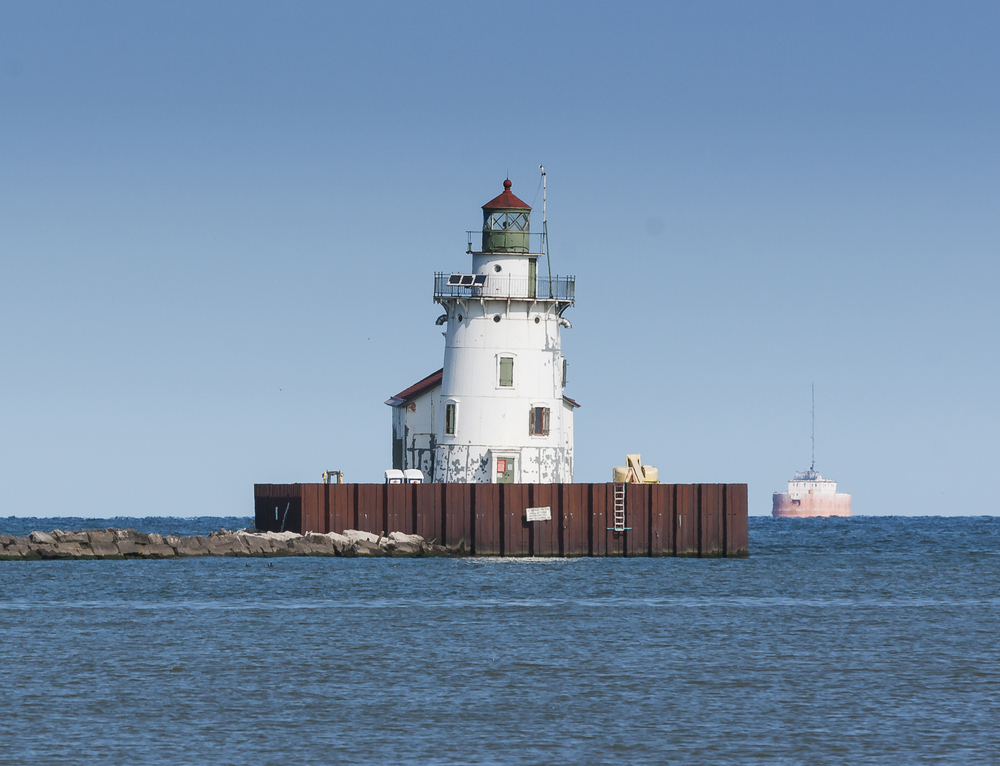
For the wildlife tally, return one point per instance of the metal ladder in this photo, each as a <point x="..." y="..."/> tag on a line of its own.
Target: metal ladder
<point x="619" y="517"/>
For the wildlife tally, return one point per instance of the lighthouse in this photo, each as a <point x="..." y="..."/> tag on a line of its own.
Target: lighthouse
<point x="496" y="411"/>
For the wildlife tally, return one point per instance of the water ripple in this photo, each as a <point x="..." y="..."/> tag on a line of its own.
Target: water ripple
<point x="863" y="641"/>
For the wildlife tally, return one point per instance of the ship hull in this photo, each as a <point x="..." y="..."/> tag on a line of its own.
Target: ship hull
<point x="820" y="505"/>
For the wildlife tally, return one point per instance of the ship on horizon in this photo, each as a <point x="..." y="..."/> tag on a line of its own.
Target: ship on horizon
<point x="809" y="495"/>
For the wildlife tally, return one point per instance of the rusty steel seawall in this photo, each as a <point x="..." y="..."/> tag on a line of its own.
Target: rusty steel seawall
<point x="699" y="520"/>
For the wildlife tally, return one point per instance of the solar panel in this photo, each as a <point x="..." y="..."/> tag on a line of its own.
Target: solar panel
<point x="467" y="280"/>
<point x="480" y="280"/>
<point x="454" y="279"/>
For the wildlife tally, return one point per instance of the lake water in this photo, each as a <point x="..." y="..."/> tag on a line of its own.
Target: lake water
<point x="866" y="640"/>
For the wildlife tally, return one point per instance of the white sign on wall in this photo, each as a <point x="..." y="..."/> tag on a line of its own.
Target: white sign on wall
<point x="539" y="514"/>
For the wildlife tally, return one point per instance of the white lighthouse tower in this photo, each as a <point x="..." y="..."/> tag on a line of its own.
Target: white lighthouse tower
<point x="496" y="412"/>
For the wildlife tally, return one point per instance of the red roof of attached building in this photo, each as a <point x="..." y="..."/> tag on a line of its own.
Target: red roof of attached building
<point x="572" y="402"/>
<point x="506" y="200"/>
<point x="418" y="388"/>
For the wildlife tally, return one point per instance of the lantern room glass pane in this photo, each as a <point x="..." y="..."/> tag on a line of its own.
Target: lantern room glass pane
<point x="505" y="222"/>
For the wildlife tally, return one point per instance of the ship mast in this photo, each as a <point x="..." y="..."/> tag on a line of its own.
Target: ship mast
<point x="812" y="466"/>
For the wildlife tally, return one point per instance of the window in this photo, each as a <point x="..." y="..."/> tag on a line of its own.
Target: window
<point x="506" y="221"/>
<point x="564" y="373"/>
<point x="506" y="371"/>
<point x="538" y="421"/>
<point x="449" y="419"/>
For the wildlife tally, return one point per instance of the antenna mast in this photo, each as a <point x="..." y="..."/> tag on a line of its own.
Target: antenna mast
<point x="813" y="465"/>
<point x="545" y="231"/>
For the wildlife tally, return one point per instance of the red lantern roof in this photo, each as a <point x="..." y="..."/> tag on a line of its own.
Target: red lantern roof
<point x="506" y="200"/>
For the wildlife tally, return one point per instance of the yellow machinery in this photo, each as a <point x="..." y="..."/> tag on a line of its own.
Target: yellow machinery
<point x="327" y="475"/>
<point x="634" y="472"/>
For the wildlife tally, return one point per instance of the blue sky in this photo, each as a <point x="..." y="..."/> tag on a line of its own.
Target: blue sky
<point x="219" y="224"/>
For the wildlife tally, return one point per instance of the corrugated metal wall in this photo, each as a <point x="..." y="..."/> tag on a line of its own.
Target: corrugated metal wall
<point x="707" y="520"/>
<point x="278" y="507"/>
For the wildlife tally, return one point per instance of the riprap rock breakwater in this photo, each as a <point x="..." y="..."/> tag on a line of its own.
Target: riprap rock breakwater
<point x="130" y="544"/>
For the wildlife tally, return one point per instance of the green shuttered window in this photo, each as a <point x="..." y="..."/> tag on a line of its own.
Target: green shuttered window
<point x="506" y="371"/>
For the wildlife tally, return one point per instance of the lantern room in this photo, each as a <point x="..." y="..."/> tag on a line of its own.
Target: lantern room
<point x="506" y="222"/>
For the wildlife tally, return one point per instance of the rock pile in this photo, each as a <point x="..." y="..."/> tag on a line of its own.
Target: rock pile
<point x="129" y="544"/>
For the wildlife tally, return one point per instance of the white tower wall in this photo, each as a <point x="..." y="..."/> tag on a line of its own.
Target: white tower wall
<point x="481" y="416"/>
<point x="491" y="418"/>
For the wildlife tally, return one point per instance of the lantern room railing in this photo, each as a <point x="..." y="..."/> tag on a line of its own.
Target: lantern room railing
<point x="504" y="286"/>
<point x="535" y="243"/>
